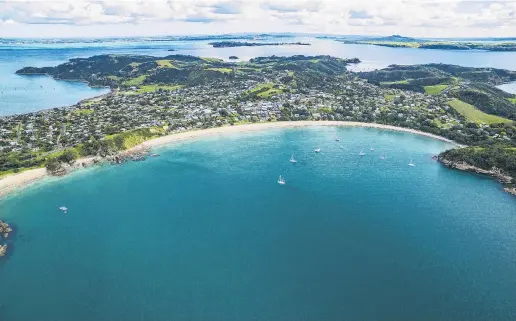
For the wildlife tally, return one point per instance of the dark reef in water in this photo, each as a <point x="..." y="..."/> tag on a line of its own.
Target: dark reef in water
<point x="5" y="229"/>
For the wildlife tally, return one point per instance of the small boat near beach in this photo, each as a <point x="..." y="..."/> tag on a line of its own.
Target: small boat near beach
<point x="361" y="153"/>
<point x="411" y="164"/>
<point x="281" y="180"/>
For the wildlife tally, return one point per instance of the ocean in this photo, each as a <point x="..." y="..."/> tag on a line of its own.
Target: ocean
<point x="22" y="94"/>
<point x="205" y="232"/>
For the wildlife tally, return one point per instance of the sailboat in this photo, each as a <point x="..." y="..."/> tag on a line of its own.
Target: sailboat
<point x="292" y="160"/>
<point x="317" y="150"/>
<point x="281" y="181"/>
<point x="64" y="209"/>
<point x="382" y="157"/>
<point x="337" y="139"/>
<point x="361" y="153"/>
<point x="372" y="148"/>
<point x="411" y="164"/>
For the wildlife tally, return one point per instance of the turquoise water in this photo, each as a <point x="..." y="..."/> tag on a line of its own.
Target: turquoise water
<point x="22" y="94"/>
<point x="204" y="232"/>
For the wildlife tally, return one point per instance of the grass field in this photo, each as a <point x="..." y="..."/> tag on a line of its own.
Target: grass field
<point x="135" y="81"/>
<point x="512" y="100"/>
<point x="389" y="97"/>
<point x="435" y="90"/>
<point x="153" y="88"/>
<point x="270" y="92"/>
<point x="222" y="70"/>
<point x="212" y="59"/>
<point x="405" y="81"/>
<point x="474" y="115"/>
<point x="163" y="63"/>
<point x="83" y="111"/>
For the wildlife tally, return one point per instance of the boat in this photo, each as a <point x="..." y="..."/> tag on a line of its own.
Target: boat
<point x="292" y="160"/>
<point x="281" y="181"/>
<point x="337" y="139"/>
<point x="317" y="150"/>
<point x="382" y="157"/>
<point x="372" y="148"/>
<point x="411" y="164"/>
<point x="64" y="209"/>
<point x="361" y="153"/>
<point x="155" y="155"/>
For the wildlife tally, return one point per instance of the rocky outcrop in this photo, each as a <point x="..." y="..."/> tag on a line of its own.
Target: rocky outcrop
<point x="493" y="172"/>
<point x="136" y="154"/>
<point x="510" y="190"/>
<point x="5" y="229"/>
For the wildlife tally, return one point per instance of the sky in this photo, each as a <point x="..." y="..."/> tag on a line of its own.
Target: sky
<point x="110" y="18"/>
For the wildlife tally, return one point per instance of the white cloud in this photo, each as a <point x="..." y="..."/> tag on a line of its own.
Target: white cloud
<point x="408" y="17"/>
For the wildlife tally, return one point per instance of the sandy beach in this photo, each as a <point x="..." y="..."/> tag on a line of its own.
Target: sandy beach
<point x="13" y="182"/>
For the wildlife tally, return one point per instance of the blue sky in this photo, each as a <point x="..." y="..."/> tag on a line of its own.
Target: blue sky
<point x="94" y="18"/>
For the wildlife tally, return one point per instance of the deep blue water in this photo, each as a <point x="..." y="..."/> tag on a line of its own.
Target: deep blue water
<point x="204" y="232"/>
<point x="21" y="94"/>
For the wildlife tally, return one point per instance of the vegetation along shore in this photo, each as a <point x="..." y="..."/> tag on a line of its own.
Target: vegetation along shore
<point x="153" y="97"/>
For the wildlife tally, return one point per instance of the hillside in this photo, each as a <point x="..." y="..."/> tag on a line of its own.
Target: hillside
<point x="137" y="71"/>
<point x="475" y="86"/>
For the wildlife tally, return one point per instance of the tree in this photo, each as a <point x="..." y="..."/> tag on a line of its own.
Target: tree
<point x="53" y="165"/>
<point x="68" y="156"/>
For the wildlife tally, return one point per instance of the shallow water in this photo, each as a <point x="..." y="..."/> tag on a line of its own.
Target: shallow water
<point x="204" y="232"/>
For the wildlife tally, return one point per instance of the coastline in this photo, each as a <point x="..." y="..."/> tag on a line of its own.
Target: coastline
<point x="24" y="179"/>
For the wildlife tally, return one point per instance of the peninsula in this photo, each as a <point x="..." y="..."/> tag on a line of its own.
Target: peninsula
<point x="154" y="97"/>
<point x="397" y="41"/>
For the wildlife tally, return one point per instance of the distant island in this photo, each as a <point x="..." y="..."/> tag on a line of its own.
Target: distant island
<point x="397" y="41"/>
<point x="231" y="44"/>
<point x="233" y="57"/>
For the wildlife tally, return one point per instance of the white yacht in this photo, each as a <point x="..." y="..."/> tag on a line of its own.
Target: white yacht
<point x="411" y="164"/>
<point x="317" y="150"/>
<point x="382" y="157"/>
<point x="292" y="159"/>
<point x="361" y="153"/>
<point x="64" y="209"/>
<point x="281" y="181"/>
<point x="372" y="148"/>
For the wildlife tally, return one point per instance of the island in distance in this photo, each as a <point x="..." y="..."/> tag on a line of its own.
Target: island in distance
<point x="233" y="57"/>
<point x="397" y="41"/>
<point x="231" y="44"/>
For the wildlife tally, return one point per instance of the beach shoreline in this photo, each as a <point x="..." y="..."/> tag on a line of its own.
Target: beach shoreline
<point x="11" y="183"/>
